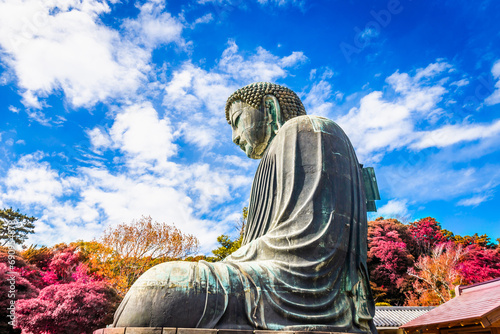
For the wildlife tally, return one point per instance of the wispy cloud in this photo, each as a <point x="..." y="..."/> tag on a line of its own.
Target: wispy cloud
<point x="494" y="98"/>
<point x="430" y="180"/>
<point x="207" y="18"/>
<point x="452" y="134"/>
<point x="474" y="201"/>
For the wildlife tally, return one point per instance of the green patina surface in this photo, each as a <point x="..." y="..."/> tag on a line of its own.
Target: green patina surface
<point x="302" y="263"/>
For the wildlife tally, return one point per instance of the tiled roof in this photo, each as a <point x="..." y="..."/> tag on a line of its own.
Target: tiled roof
<point x="474" y="303"/>
<point x="396" y="316"/>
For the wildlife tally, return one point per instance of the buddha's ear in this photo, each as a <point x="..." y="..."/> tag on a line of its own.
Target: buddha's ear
<point x="272" y="107"/>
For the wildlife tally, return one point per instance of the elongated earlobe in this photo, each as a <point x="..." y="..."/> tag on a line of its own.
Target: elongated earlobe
<point x="274" y="111"/>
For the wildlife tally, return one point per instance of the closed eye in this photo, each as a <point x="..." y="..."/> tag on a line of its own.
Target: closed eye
<point x="236" y="119"/>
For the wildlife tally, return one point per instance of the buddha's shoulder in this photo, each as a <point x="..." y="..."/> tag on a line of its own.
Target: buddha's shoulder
<point x="311" y="123"/>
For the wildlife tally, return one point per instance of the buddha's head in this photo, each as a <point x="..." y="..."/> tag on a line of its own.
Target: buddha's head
<point x="256" y="113"/>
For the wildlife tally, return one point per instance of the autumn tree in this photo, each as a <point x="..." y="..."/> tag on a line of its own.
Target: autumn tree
<point x="427" y="234"/>
<point x="436" y="275"/>
<point x="15" y="226"/>
<point x="388" y="259"/>
<point x="126" y="251"/>
<point x="480" y="240"/>
<point x="38" y="256"/>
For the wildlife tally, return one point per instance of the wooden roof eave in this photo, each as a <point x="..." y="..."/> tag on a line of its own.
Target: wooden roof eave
<point x="436" y="327"/>
<point x="493" y="317"/>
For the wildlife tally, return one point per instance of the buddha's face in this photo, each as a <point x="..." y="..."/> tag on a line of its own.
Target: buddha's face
<point x="252" y="128"/>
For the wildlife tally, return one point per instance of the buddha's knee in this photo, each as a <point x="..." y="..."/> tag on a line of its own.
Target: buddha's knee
<point x="170" y="294"/>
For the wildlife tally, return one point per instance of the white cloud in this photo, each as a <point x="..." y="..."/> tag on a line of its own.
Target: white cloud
<point x="39" y="117"/>
<point x="394" y="208"/>
<point x="193" y="90"/>
<point x="317" y="101"/>
<point x="201" y="135"/>
<point x="294" y="59"/>
<point x="98" y="138"/>
<point x="14" y="109"/>
<point x="460" y="83"/>
<point x="238" y="161"/>
<point x="431" y="70"/>
<point x="192" y="87"/>
<point x="474" y="201"/>
<point x="299" y="3"/>
<point x="417" y="96"/>
<point x="369" y="33"/>
<point x="381" y="124"/>
<point x="262" y="66"/>
<point x="139" y="133"/>
<point x="154" y="27"/>
<point x="82" y="206"/>
<point x="377" y="125"/>
<point x="494" y="98"/>
<point x="32" y="183"/>
<point x="62" y="45"/>
<point x="122" y="198"/>
<point x="452" y="134"/>
<point x="235" y="3"/>
<point x="138" y="179"/>
<point x="207" y="18"/>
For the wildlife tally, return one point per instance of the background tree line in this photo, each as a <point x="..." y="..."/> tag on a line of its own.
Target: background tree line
<point x="76" y="287"/>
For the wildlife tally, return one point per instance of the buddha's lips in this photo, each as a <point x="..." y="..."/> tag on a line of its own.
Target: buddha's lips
<point x="242" y="145"/>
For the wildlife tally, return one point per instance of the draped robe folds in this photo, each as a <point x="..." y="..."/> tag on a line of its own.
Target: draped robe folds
<point x="302" y="264"/>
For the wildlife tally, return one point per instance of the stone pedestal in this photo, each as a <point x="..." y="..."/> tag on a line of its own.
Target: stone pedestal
<point x="170" y="330"/>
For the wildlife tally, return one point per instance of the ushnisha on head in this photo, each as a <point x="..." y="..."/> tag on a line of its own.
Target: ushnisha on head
<point x="257" y="111"/>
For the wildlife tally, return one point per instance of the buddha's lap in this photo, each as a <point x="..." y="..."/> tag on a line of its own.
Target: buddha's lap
<point x="171" y="293"/>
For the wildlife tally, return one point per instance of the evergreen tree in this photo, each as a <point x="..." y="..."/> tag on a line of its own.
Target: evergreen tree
<point x="15" y="226"/>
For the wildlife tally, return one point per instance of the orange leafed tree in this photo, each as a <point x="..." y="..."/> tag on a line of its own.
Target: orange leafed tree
<point x="145" y="238"/>
<point x="436" y="275"/>
<point x="126" y="251"/>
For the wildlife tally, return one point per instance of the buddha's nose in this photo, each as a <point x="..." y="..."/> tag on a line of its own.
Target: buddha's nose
<point x="236" y="138"/>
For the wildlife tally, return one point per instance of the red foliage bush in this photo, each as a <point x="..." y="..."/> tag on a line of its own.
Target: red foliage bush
<point x="68" y="308"/>
<point x="427" y="234"/>
<point x="64" y="264"/>
<point x="480" y="264"/>
<point x="388" y="258"/>
<point x="13" y="287"/>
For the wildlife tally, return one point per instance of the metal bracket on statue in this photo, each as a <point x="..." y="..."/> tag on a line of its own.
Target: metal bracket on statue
<point x="371" y="188"/>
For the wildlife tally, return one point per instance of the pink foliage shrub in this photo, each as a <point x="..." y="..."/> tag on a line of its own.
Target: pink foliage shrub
<point x="75" y="307"/>
<point x="427" y="234"/>
<point x="388" y="258"/>
<point x="49" y="277"/>
<point x="480" y="264"/>
<point x="23" y="289"/>
<point x="81" y="274"/>
<point x="64" y="263"/>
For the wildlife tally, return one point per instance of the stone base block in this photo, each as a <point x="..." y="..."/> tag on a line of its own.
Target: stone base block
<point x="170" y="330"/>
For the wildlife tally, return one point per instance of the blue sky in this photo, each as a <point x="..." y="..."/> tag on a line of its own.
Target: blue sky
<point x="112" y="110"/>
